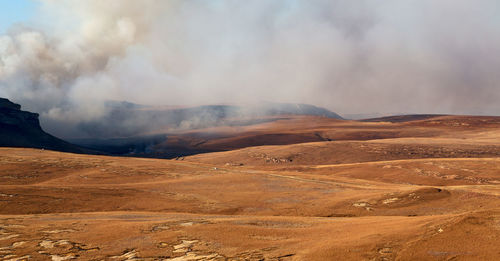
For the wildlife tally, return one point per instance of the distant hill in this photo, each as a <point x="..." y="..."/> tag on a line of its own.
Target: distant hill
<point x="132" y="129"/>
<point x="403" y="118"/>
<point x="22" y="129"/>
<point x="126" y="120"/>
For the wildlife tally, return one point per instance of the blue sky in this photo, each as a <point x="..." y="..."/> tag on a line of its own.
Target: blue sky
<point x="15" y="11"/>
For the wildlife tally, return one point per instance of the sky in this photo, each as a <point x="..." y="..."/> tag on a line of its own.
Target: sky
<point x="364" y="56"/>
<point x="15" y="11"/>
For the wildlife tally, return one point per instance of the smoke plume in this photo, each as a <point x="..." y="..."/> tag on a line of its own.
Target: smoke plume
<point x="420" y="56"/>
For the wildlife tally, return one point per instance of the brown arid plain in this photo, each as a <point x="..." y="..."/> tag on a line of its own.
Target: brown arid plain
<point x="298" y="188"/>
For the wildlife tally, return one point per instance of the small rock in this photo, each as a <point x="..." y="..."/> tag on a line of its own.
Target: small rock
<point x="62" y="258"/>
<point x="18" y="258"/>
<point x="47" y="244"/>
<point x="390" y="200"/>
<point x="18" y="244"/>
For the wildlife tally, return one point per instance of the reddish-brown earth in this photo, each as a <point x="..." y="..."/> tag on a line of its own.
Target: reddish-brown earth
<point x="424" y="189"/>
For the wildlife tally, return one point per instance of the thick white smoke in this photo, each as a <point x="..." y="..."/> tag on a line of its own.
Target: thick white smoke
<point x="422" y="56"/>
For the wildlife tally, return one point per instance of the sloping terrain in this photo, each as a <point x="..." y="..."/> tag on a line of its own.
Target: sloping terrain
<point x="293" y="129"/>
<point x="136" y="130"/>
<point x="403" y="118"/>
<point x="326" y="141"/>
<point x="428" y="191"/>
<point x="126" y="119"/>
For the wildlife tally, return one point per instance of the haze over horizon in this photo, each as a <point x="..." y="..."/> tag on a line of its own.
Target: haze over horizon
<point x="350" y="57"/>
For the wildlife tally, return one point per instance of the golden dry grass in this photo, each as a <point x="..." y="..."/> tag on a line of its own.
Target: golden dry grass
<point x="429" y="191"/>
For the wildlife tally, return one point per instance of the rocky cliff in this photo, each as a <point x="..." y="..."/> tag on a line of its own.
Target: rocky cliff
<point x="22" y="129"/>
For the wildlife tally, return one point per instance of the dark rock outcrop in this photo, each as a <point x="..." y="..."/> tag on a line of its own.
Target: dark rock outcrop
<point x="22" y="129"/>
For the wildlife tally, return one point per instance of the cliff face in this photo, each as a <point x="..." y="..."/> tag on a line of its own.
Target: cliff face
<point x="22" y="129"/>
<point x="6" y="104"/>
<point x="11" y="116"/>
